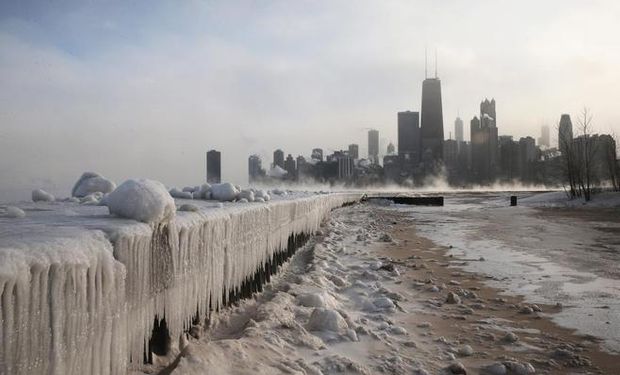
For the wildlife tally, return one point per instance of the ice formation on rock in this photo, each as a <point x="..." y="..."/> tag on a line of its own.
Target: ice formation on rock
<point x="142" y="200"/>
<point x="91" y="182"/>
<point x="77" y="301"/>
<point x="181" y="194"/>
<point x="12" y="212"/>
<point x="40" y="195"/>
<point x="224" y="192"/>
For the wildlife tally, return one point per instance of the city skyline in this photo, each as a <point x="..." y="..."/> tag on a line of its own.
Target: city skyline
<point x="152" y="94"/>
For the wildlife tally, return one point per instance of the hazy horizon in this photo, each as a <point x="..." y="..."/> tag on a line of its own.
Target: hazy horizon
<point x="145" y="89"/>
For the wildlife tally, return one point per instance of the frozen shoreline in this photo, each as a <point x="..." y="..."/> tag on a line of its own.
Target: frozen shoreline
<point x="546" y="259"/>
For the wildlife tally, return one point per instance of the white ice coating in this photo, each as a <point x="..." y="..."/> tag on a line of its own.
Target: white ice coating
<point x="80" y="289"/>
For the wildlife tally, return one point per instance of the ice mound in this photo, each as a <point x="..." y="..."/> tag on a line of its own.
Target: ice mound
<point x="12" y="212"/>
<point x="143" y="200"/>
<point x="322" y="299"/>
<point x="326" y="320"/>
<point x="262" y="194"/>
<point x="247" y="194"/>
<point x="224" y="192"/>
<point x="181" y="194"/>
<point x="91" y="182"/>
<point x="40" y="195"/>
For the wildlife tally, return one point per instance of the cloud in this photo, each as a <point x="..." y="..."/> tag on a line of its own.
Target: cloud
<point x="130" y="90"/>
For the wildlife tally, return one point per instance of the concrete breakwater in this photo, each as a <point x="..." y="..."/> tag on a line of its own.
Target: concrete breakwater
<point x="81" y="292"/>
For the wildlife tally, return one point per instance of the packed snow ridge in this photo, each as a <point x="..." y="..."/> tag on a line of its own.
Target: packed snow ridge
<point x="81" y="284"/>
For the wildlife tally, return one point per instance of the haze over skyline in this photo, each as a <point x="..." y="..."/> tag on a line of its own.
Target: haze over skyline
<point x="145" y="89"/>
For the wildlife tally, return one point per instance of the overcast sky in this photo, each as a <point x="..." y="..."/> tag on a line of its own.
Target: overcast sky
<point x="143" y="89"/>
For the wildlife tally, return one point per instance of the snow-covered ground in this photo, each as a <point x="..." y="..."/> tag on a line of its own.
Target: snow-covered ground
<point x="546" y="255"/>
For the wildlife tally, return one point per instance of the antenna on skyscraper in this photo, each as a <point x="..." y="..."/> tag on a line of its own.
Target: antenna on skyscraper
<point x="435" y="63"/>
<point x="425" y="63"/>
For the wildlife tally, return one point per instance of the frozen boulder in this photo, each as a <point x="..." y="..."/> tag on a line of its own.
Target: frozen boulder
<point x="92" y="199"/>
<point x="326" y="320"/>
<point x="189" y="207"/>
<point x="40" y="195"/>
<point x="494" y="369"/>
<point x="224" y="192"/>
<point x="91" y="182"/>
<point x="262" y="194"/>
<point x="322" y="299"/>
<point x="176" y="193"/>
<point x="143" y="200"/>
<point x="189" y="189"/>
<point x="247" y="194"/>
<point x="13" y="212"/>
<point x="260" y="200"/>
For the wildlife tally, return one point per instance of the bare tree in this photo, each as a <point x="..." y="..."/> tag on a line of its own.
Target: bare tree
<point x="566" y="145"/>
<point x="586" y="148"/>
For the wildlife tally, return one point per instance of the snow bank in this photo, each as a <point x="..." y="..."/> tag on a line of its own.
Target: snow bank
<point x="40" y="195"/>
<point x="142" y="200"/>
<point x="91" y="182"/>
<point x="560" y="199"/>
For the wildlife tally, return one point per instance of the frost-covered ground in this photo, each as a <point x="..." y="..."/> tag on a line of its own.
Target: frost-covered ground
<point x="549" y="249"/>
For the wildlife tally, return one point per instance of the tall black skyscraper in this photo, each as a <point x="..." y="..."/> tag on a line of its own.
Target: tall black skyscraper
<point x="431" y="132"/>
<point x="278" y="158"/>
<point x="214" y="167"/>
<point x="373" y="146"/>
<point x="565" y="133"/>
<point x="409" y="136"/>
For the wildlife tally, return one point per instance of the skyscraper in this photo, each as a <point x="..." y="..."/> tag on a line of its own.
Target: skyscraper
<point x="565" y="133"/>
<point x="373" y="146"/>
<point x="544" y="139"/>
<point x="484" y="143"/>
<point x="354" y="151"/>
<point x="409" y="136"/>
<point x="290" y="167"/>
<point x="458" y="129"/>
<point x="255" y="168"/>
<point x="431" y="131"/>
<point x="391" y="150"/>
<point x="317" y="154"/>
<point x="278" y="158"/>
<point x="214" y="167"/>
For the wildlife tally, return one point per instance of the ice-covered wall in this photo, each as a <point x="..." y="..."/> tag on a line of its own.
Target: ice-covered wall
<point x="80" y="290"/>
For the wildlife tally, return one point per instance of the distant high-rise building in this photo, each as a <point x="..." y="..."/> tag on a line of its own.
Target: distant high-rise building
<point x="391" y="149"/>
<point x="544" y="139"/>
<point x="354" y="151"/>
<point x="302" y="167"/>
<point x="527" y="158"/>
<point x="565" y="133"/>
<point x="431" y="131"/>
<point x="278" y="158"/>
<point x="484" y="143"/>
<point x="373" y="146"/>
<point x="255" y="168"/>
<point x="409" y="136"/>
<point x="458" y="129"/>
<point x="289" y="166"/>
<point x="214" y="167"/>
<point x="317" y="154"/>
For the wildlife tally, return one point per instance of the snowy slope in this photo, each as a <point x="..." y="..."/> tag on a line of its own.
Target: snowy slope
<point x="80" y="288"/>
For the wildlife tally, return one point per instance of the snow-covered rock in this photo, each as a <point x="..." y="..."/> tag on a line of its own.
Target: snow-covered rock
<point x="40" y="195"/>
<point x="189" y="207"/>
<point x="143" y="200"/>
<point x="224" y="192"/>
<point x="181" y="194"/>
<point x="91" y="182"/>
<point x="326" y="320"/>
<point x="247" y="194"/>
<point x="13" y="212"/>
<point x="262" y="194"/>
<point x="317" y="300"/>
<point x="494" y="369"/>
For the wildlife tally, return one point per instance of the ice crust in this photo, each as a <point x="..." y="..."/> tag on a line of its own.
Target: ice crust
<point x="80" y="289"/>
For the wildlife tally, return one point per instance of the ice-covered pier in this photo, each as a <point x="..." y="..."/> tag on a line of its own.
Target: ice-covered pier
<point x="81" y="289"/>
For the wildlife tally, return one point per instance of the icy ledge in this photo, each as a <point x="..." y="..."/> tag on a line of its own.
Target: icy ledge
<point x="80" y="289"/>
